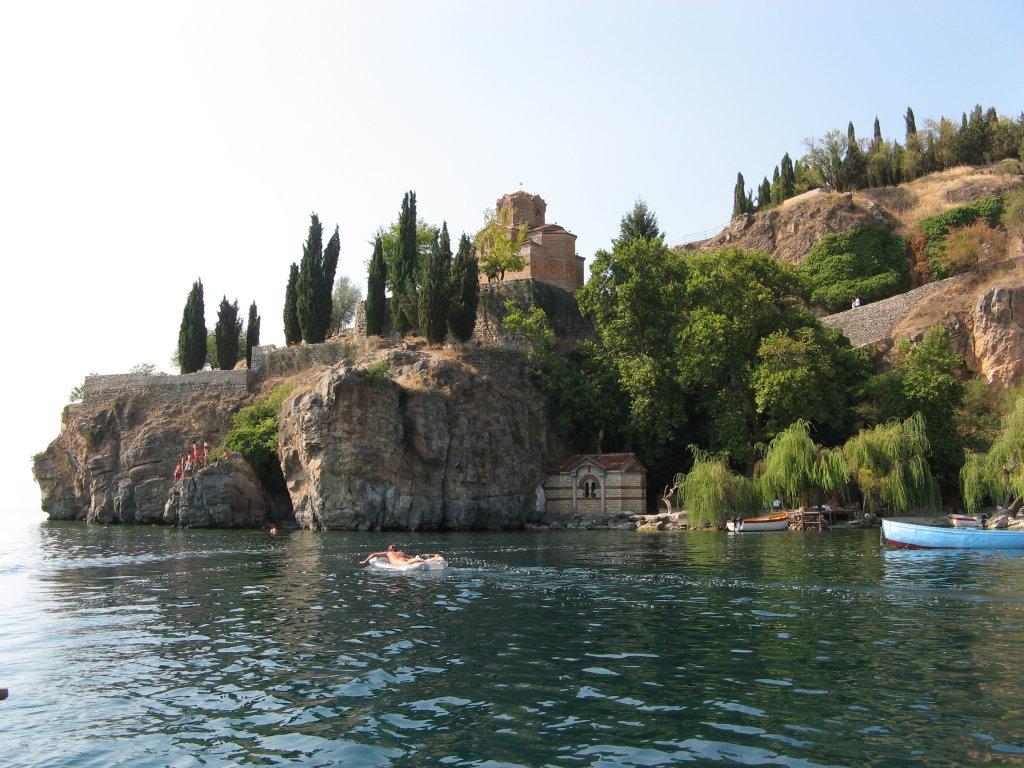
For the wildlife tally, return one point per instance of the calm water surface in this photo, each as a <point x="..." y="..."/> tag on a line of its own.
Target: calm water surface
<point x="158" y="647"/>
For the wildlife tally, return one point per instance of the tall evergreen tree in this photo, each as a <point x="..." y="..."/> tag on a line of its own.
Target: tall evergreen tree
<point x="292" y="330"/>
<point x="434" y="296"/>
<point x="854" y="166"/>
<point x="639" y="224"/>
<point x="192" y="335"/>
<point x="227" y="331"/>
<point x="464" y="291"/>
<point x="787" y="177"/>
<point x="403" y="293"/>
<point x="776" y="187"/>
<point x="309" y="300"/>
<point x="252" y="334"/>
<point x="911" y="124"/>
<point x="375" y="301"/>
<point x="764" y="194"/>
<point x="740" y="200"/>
<point x="330" y="266"/>
<point x="876" y="142"/>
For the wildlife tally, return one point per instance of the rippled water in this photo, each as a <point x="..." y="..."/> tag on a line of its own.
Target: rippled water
<point x="157" y="647"/>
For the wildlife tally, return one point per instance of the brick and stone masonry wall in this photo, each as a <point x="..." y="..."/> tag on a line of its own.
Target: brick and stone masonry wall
<point x="874" y="322"/>
<point x="98" y="389"/>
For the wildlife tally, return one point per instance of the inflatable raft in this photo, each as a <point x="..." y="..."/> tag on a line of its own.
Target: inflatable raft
<point x="427" y="565"/>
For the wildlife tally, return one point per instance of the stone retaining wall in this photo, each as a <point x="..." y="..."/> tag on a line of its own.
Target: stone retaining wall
<point x="270" y="361"/>
<point x="874" y="322"/>
<point x="98" y="389"/>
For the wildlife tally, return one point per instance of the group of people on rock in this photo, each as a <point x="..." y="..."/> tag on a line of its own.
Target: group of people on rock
<point x="191" y="462"/>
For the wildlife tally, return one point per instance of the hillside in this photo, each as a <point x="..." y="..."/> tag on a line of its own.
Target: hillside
<point x="791" y="229"/>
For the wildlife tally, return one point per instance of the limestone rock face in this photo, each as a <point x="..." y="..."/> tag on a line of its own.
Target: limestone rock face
<point x="113" y="461"/>
<point x="411" y="440"/>
<point x="224" y="495"/>
<point x="999" y="334"/>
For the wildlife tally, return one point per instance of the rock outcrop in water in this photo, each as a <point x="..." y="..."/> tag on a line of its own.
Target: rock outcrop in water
<point x="407" y="440"/>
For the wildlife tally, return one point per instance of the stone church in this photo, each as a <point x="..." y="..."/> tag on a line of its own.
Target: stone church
<point x="549" y="250"/>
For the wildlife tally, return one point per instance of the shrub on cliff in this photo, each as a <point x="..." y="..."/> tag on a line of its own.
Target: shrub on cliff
<point x="253" y="434"/>
<point x="937" y="227"/>
<point x="867" y="262"/>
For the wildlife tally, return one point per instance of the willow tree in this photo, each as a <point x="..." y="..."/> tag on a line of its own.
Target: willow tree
<point x="795" y="468"/>
<point x="888" y="464"/>
<point x="712" y="493"/>
<point x="997" y="476"/>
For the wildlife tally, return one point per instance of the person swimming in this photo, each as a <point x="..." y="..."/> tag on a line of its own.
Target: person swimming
<point x="398" y="557"/>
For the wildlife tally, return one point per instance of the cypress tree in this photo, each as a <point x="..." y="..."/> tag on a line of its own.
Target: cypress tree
<point x="330" y="266"/>
<point x="876" y="142"/>
<point x="403" y="294"/>
<point x="776" y="186"/>
<point x="911" y="124"/>
<point x="739" y="196"/>
<point x="309" y="303"/>
<point x="465" y="291"/>
<point x="764" y="194"/>
<point x="292" y="331"/>
<point x="434" y="297"/>
<point x="375" y="282"/>
<point x="192" y="335"/>
<point x="227" y="332"/>
<point x="252" y="334"/>
<point x="787" y="177"/>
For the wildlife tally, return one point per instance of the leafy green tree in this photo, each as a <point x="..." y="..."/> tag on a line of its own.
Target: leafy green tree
<point x="404" y="303"/>
<point x="712" y="493"/>
<point x="797" y="469"/>
<point x="292" y="330"/>
<point x="254" y="432"/>
<point x="252" y="334"/>
<point x="639" y="224"/>
<point x="375" y="300"/>
<point x="464" y="290"/>
<point x="810" y="373"/>
<point x="867" y="262"/>
<point x="192" y="334"/>
<point x="997" y="476"/>
<point x="927" y="372"/>
<point x="434" y="300"/>
<point x="343" y="304"/>
<point x="228" y="330"/>
<point x="825" y="158"/>
<point x="888" y="464"/>
<point x="499" y="244"/>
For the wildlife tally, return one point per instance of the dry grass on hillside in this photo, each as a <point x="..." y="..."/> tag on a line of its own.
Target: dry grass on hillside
<point x="937" y="192"/>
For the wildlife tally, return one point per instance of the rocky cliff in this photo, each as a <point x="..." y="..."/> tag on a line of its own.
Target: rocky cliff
<point x="417" y="440"/>
<point x="114" y="459"/>
<point x="398" y="439"/>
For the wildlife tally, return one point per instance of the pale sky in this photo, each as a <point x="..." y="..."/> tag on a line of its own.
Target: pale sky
<point x="147" y="144"/>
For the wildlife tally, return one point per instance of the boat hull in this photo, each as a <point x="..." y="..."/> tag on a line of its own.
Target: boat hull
<point x="963" y="521"/>
<point x="778" y="522"/>
<point x="914" y="536"/>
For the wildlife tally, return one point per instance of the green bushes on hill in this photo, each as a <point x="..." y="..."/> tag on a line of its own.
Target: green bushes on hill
<point x="868" y="262"/>
<point x="938" y="226"/>
<point x="253" y="434"/>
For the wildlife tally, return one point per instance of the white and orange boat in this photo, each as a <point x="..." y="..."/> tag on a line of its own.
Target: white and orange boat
<point x="776" y="522"/>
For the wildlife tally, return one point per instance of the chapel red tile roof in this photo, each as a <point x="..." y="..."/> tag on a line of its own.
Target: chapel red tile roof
<point x="606" y="461"/>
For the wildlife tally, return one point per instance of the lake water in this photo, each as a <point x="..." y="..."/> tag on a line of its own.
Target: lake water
<point x="158" y="647"/>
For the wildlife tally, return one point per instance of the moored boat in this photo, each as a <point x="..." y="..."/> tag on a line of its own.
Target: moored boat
<point x="776" y="522"/>
<point x="916" y="536"/>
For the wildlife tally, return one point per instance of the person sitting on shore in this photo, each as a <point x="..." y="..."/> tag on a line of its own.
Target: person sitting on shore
<point x="398" y="557"/>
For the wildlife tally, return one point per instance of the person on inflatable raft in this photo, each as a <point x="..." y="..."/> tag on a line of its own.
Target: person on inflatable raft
<point x="398" y="557"/>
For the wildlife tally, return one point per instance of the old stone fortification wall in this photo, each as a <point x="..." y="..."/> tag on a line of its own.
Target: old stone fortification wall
<point x="872" y="323"/>
<point x="100" y="389"/>
<point x="270" y="361"/>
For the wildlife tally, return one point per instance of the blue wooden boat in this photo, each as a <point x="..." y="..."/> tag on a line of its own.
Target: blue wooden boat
<point x="914" y="536"/>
